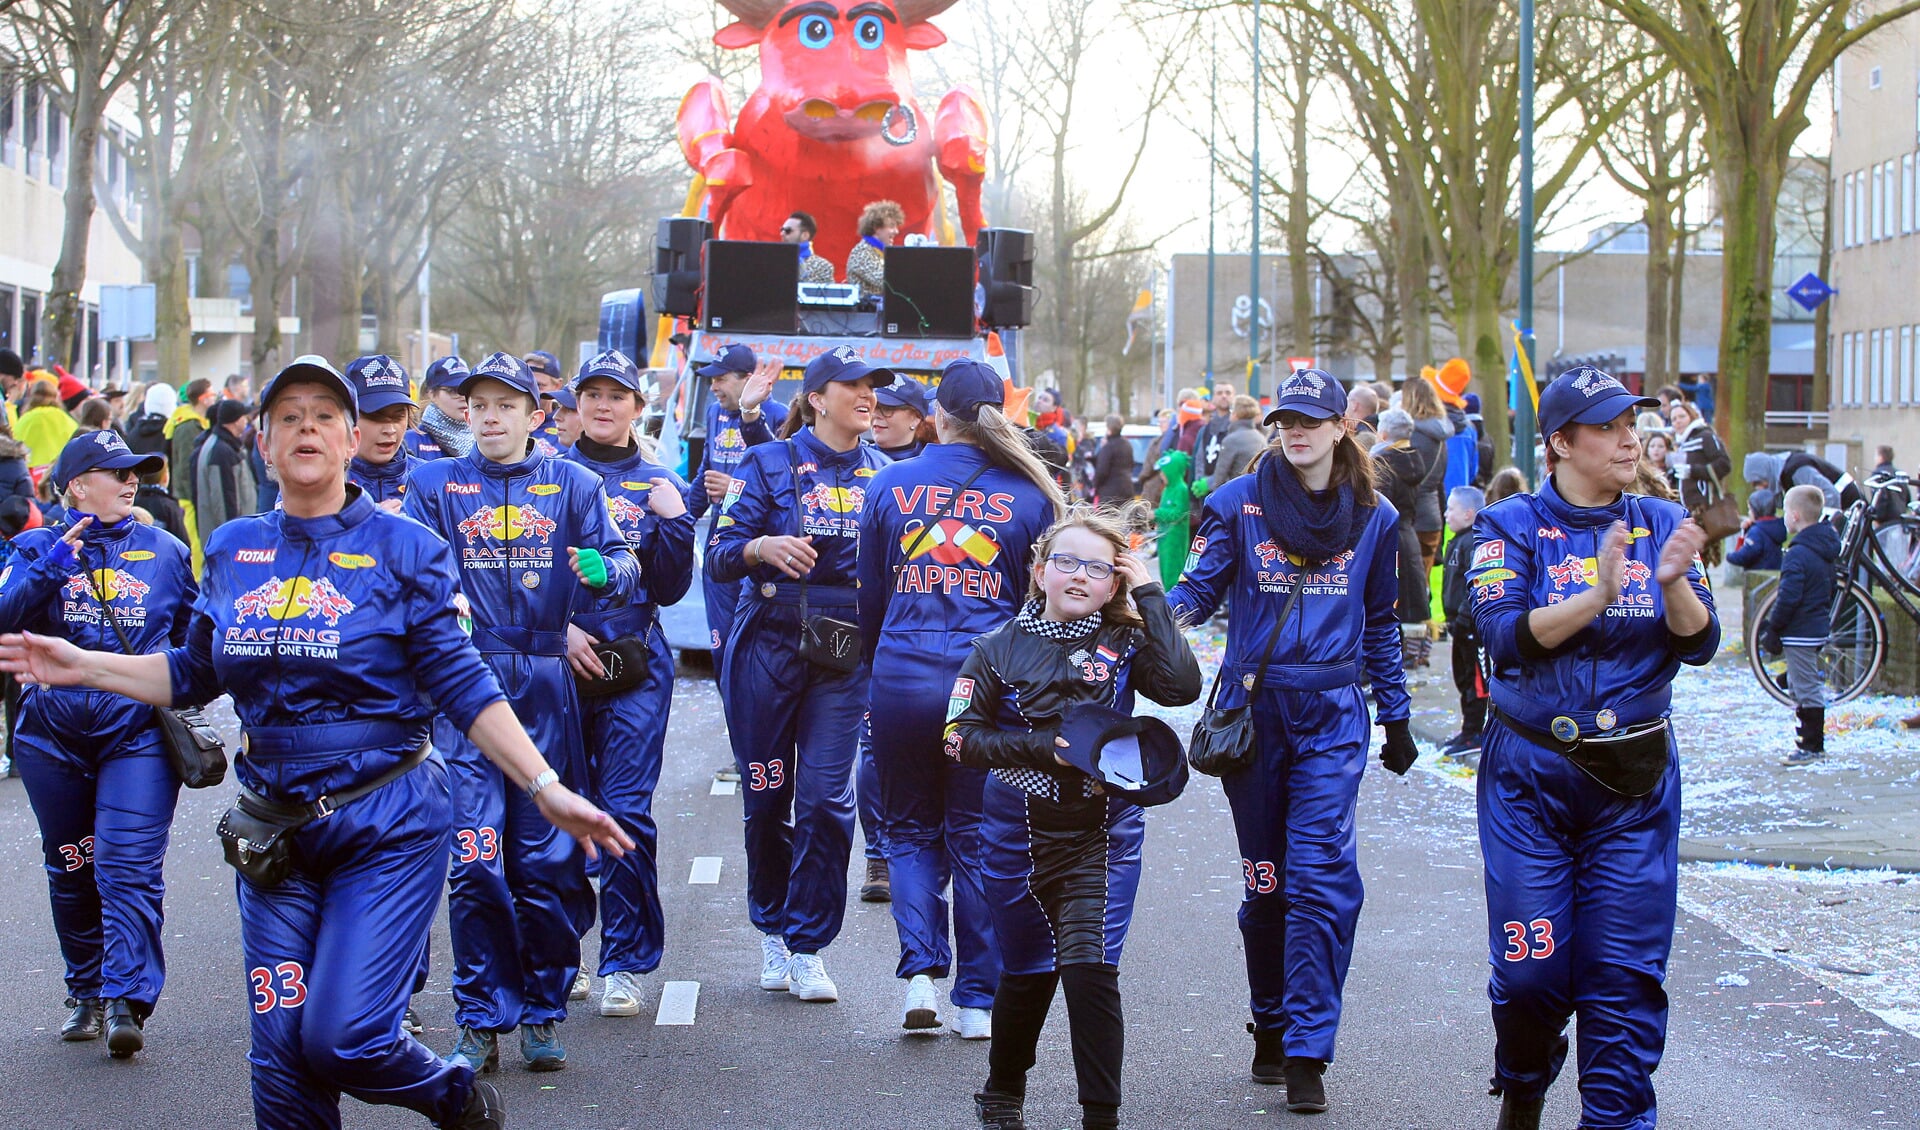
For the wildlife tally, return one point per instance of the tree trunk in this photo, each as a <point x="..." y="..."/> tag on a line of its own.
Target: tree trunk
<point x="1299" y="214"/>
<point x="166" y="266"/>
<point x="1677" y="288"/>
<point x="1749" y="189"/>
<point x="1658" y="215"/>
<point x="1484" y="336"/>
<point x="385" y="299"/>
<point x="62" y="318"/>
<point x="1822" y="356"/>
<point x="1410" y="281"/>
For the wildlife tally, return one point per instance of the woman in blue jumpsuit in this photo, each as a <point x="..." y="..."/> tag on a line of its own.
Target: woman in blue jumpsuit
<point x="1588" y="599"/>
<point x="1305" y="521"/>
<point x="625" y="731"/>
<point x="789" y="525"/>
<point x="330" y="623"/>
<point x="945" y="545"/>
<point x="93" y="764"/>
<point x="733" y="425"/>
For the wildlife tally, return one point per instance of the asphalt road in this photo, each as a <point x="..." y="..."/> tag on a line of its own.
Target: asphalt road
<point x="1778" y="1051"/>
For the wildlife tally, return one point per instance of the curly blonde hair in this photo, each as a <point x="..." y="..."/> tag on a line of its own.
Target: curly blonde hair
<point x="880" y="214"/>
<point x="1117" y="525"/>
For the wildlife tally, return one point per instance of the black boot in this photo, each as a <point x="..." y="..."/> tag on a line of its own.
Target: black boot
<point x="1000" y="1111"/>
<point x="1520" y="1114"/>
<point x="124" y="1034"/>
<point x="1269" y="1058"/>
<point x="83" y="1023"/>
<point x="484" y="1110"/>
<point x="1306" y="1092"/>
<point x="1813" y="728"/>
<point x="1099" y="1116"/>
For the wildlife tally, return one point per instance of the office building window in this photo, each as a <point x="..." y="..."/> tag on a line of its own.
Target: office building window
<point x="30" y="129"/>
<point x="1876" y="199"/>
<point x="1883" y="368"/>
<point x="9" y="121"/>
<point x="1906" y="364"/>
<point x="9" y="299"/>
<point x="1871" y="376"/>
<point x="29" y="324"/>
<point x="1906" y="194"/>
<point x="1890" y="221"/>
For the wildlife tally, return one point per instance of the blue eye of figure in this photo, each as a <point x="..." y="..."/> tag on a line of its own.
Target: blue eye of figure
<point x="816" y="32"/>
<point x="868" y="32"/>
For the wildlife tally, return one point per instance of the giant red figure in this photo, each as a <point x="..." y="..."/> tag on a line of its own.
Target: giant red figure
<point x="833" y="125"/>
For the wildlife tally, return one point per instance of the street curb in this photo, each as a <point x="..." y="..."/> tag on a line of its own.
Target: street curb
<point x="1694" y="851"/>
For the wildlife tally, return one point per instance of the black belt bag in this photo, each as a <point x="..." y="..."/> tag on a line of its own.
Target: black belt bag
<point x="625" y="662"/>
<point x="1629" y="762"/>
<point x="825" y="641"/>
<point x="254" y="832"/>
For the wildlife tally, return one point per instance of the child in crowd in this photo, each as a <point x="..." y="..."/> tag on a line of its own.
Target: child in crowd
<point x="1463" y="506"/>
<point x="1799" y="620"/>
<point x="1761" y="536"/>
<point x="1063" y="852"/>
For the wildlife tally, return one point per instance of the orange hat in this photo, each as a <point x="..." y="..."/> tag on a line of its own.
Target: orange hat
<point x="1015" y="405"/>
<point x="1451" y="381"/>
<point x="1192" y="410"/>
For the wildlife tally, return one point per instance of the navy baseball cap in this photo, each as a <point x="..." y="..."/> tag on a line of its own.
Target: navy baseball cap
<point x="508" y="370"/>
<point x="311" y="368"/>
<point x="540" y="361"/>
<point x="1138" y="757"/>
<point x="381" y="381"/>
<point x="904" y="392"/>
<point x="447" y="372"/>
<point x="562" y="396"/>
<point x="841" y="363"/>
<point x="100" y="451"/>
<point x="1585" y="396"/>
<point x="966" y="386"/>
<point x="733" y="359"/>
<point x="613" y="365"/>
<point x="1310" y="392"/>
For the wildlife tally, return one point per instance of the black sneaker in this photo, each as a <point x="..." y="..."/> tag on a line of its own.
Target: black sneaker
<point x="1269" y="1058"/>
<point x="1000" y="1111"/>
<point x="879" y="885"/>
<point x="485" y="1110"/>
<point x="84" y="1022"/>
<point x="1520" y="1114"/>
<point x="1306" y="1092"/>
<point x="124" y="1029"/>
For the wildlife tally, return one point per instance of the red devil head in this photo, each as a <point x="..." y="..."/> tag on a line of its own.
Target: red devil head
<point x="834" y="69"/>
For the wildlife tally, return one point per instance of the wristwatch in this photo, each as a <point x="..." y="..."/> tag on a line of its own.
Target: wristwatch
<point x="542" y="781"/>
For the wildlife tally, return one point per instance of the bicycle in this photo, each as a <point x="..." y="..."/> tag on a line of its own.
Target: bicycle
<point x="1856" y="647"/>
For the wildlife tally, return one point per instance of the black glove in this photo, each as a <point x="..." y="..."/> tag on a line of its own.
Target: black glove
<point x="1399" y="752"/>
<point x="1767" y="639"/>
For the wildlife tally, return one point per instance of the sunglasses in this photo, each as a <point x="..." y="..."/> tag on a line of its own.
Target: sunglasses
<point x="1290" y="420"/>
<point x="1067" y="563"/>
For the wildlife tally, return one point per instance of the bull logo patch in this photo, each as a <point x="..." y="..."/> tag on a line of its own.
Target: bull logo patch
<point x="625" y="511"/>
<point x="507" y="523"/>
<point x="111" y="582"/>
<point x="839" y="500"/>
<point x="298" y="598"/>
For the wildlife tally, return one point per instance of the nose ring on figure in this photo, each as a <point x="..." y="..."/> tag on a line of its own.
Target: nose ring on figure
<point x="900" y="112"/>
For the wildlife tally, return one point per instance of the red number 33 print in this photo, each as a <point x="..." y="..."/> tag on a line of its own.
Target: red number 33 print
<point x="291" y="991"/>
<point x="1518" y="948"/>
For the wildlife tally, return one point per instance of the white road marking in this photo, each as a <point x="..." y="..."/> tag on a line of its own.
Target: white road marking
<point x="724" y="788"/>
<point x="706" y="871"/>
<point x="677" y="1002"/>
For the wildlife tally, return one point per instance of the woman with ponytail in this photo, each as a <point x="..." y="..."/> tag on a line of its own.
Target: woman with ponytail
<point x="1305" y="528"/>
<point x="945" y="547"/>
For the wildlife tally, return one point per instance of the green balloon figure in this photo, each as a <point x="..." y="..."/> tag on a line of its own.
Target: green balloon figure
<point x="1173" y="516"/>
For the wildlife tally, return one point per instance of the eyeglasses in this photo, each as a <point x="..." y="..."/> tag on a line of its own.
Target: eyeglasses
<point x="1291" y="420"/>
<point x="1067" y="563"/>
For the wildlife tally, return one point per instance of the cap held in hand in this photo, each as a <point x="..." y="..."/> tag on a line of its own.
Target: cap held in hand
<point x="1138" y="757"/>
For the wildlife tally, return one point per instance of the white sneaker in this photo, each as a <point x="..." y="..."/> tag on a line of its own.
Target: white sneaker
<point x="973" y="1023"/>
<point x="620" y="996"/>
<point x="774" y="960"/>
<point x="582" y="985"/>
<point x="807" y="979"/>
<point x="921" y="1014"/>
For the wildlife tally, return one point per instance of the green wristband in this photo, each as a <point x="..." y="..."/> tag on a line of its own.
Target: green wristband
<point x="593" y="568"/>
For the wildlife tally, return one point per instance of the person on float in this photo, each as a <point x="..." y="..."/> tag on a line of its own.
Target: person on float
<point x="331" y="951"/>
<point x="945" y="547"/>
<point x="1306" y="527"/>
<point x="536" y="546"/>
<point x="625" y="730"/>
<point x="738" y="416"/>
<point x="382" y="461"/>
<point x="443" y="430"/>
<point x="1588" y="599"/>
<point x="94" y="766"/>
<point x="788" y="532"/>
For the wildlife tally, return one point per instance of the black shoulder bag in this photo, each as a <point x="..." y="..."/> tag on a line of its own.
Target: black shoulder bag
<point x="198" y="755"/>
<point x="825" y="641"/>
<point x="1222" y="740"/>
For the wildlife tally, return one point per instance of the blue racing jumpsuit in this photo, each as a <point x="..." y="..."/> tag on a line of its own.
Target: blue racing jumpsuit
<point x="1581" y="881"/>
<point x="424" y="447"/>
<point x="794" y="724"/>
<point x="93" y="764"/>
<point x="330" y="633"/>
<point x="727" y="443"/>
<point x="626" y="732"/>
<point x="1293" y="807"/>
<point x="519" y="898"/>
<point x="936" y="573"/>
<point x="383" y="482"/>
<point x="867" y="788"/>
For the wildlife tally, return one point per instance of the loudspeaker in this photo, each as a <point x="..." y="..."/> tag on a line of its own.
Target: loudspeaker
<point x="1006" y="276"/>
<point x="676" y="265"/>
<point x="929" y="292"/>
<point x="623" y="324"/>
<point x="751" y="287"/>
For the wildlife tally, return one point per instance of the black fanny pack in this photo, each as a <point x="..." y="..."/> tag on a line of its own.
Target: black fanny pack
<point x="1629" y="761"/>
<point x="254" y="832"/>
<point x="827" y="642"/>
<point x="625" y="662"/>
